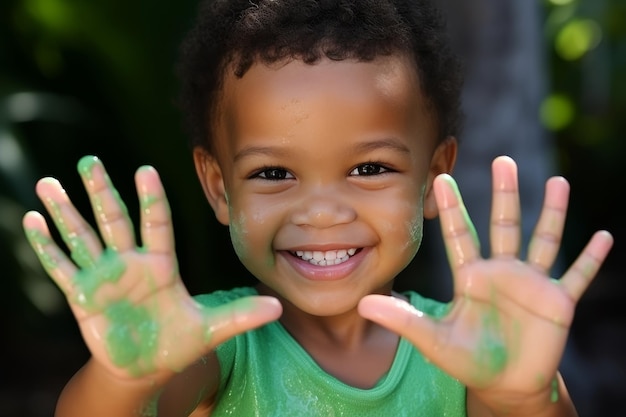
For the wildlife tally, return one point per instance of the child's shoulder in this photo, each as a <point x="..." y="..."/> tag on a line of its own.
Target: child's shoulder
<point x="220" y="297"/>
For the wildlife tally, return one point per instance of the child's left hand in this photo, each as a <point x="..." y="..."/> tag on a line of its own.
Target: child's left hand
<point x="508" y="324"/>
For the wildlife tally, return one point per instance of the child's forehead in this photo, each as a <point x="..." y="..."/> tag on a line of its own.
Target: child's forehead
<point x="272" y="100"/>
<point x="393" y="75"/>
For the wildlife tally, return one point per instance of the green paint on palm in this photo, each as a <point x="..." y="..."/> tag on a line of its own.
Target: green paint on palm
<point x="132" y="337"/>
<point x="108" y="269"/>
<point x="491" y="354"/>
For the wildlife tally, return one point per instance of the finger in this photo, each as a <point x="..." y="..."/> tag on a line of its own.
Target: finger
<point x="78" y="235"/>
<point x="546" y="239"/>
<point x="459" y="234"/>
<point x="239" y="316"/>
<point x="156" y="226"/>
<point x="504" y="233"/>
<point x="580" y="274"/>
<point x="54" y="261"/>
<point x="402" y="318"/>
<point x="110" y="211"/>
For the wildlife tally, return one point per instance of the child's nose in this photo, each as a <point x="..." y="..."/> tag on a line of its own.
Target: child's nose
<point x="323" y="210"/>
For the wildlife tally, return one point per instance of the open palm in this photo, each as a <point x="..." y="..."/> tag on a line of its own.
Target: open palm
<point x="133" y="310"/>
<point x="508" y="321"/>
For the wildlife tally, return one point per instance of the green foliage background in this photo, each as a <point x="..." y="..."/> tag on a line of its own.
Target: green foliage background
<point x="96" y="77"/>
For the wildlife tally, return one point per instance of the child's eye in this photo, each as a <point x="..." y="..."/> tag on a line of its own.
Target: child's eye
<point x="369" y="169"/>
<point x="273" y="174"/>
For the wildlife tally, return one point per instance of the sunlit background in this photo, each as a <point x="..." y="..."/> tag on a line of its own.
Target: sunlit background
<point x="96" y="77"/>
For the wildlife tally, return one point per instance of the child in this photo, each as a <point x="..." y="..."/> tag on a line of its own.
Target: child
<point x="323" y="134"/>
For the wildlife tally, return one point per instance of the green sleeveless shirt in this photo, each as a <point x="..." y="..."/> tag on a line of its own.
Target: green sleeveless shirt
<point x="266" y="373"/>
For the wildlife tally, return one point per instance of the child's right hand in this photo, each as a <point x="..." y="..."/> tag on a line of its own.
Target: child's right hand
<point x="133" y="310"/>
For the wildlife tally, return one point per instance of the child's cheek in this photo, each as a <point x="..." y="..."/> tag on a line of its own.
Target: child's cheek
<point x="414" y="223"/>
<point x="415" y="228"/>
<point x="239" y="233"/>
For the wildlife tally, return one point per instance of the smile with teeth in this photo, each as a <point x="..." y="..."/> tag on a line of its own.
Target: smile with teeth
<point x="329" y="257"/>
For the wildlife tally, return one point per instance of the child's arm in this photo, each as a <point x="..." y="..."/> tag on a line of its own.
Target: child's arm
<point x="508" y="323"/>
<point x="144" y="331"/>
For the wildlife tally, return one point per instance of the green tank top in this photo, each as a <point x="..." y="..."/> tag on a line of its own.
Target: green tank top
<point x="266" y="373"/>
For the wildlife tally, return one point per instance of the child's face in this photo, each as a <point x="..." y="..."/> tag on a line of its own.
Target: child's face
<point x="336" y="158"/>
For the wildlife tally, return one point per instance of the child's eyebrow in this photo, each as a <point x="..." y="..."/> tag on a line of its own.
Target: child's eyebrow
<point x="387" y="143"/>
<point x="363" y="147"/>
<point x="261" y="151"/>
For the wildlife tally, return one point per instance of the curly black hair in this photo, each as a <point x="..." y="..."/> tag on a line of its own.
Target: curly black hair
<point x="234" y="34"/>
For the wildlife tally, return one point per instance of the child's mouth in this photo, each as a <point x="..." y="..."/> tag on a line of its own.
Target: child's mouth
<point x="325" y="258"/>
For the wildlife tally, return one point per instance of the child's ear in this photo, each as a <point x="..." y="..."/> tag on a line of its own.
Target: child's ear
<point x="443" y="161"/>
<point x="212" y="181"/>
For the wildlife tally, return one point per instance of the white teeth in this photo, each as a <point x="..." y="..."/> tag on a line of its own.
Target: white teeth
<point x="330" y="257"/>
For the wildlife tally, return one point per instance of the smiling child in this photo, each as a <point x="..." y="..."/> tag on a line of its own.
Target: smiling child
<point x="323" y="134"/>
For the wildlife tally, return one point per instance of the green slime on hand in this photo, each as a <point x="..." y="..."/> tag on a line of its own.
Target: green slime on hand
<point x="148" y="200"/>
<point x="132" y="336"/>
<point x="38" y="241"/>
<point x="85" y="168"/>
<point x="108" y="269"/>
<point x="554" y="396"/>
<point x="79" y="251"/>
<point x="468" y="221"/>
<point x="85" y="165"/>
<point x="492" y="354"/>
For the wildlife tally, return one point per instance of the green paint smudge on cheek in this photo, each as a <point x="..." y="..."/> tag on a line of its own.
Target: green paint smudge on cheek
<point x="132" y="338"/>
<point x="108" y="269"/>
<point x="416" y="225"/>
<point x="238" y="232"/>
<point x="416" y="229"/>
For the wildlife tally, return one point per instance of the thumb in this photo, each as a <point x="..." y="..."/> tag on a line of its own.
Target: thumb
<point x="402" y="318"/>
<point x="239" y="316"/>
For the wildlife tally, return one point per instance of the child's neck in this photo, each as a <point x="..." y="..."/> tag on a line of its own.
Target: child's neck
<point x="354" y="350"/>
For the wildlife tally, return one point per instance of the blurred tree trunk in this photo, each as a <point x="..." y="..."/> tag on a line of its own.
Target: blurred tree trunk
<point x="502" y="45"/>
